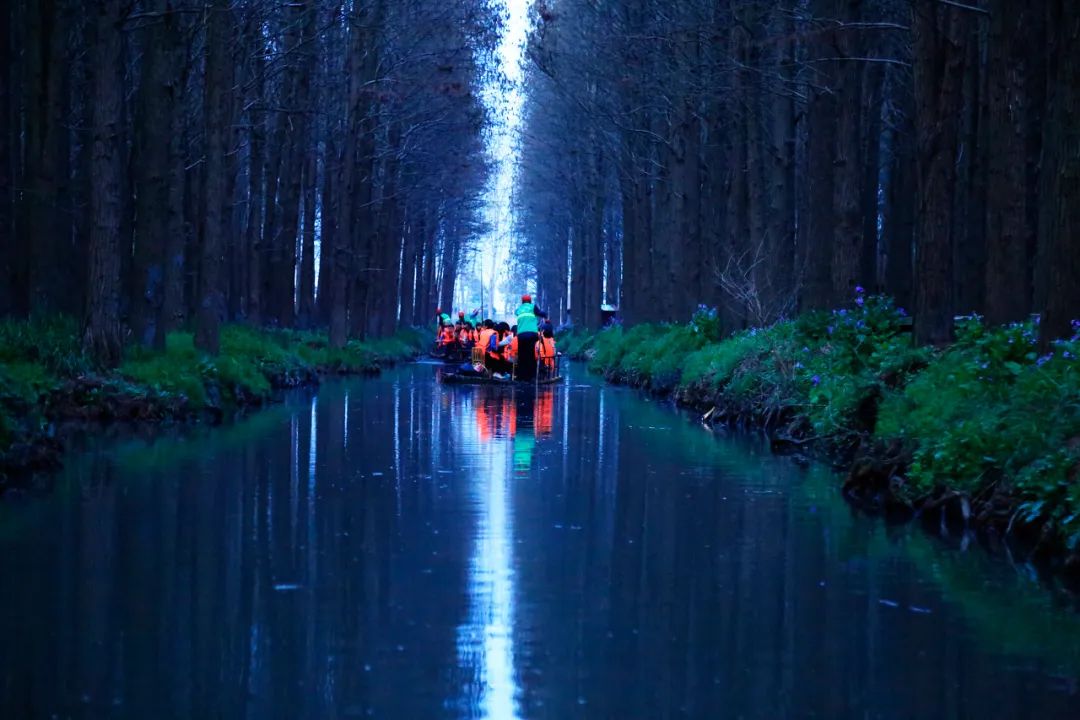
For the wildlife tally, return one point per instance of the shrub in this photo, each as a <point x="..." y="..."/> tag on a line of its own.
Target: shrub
<point x="979" y="413"/>
<point x="51" y="341"/>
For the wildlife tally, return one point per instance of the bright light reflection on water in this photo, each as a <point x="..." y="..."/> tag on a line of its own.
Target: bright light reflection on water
<point x="486" y="639"/>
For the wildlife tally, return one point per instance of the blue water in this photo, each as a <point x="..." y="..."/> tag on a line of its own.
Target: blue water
<point x="400" y="549"/>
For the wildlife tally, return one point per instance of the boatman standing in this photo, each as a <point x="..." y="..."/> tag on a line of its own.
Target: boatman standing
<point x="528" y="326"/>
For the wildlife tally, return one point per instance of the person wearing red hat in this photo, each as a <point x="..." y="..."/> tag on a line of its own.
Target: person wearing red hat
<point x="528" y="332"/>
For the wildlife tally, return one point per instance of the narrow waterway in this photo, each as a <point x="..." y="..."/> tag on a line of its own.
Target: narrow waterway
<point x="395" y="548"/>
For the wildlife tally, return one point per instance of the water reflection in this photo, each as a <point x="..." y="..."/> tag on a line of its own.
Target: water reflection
<point x="392" y="548"/>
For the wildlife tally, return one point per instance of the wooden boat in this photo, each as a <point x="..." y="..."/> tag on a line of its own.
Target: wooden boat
<point x="457" y="378"/>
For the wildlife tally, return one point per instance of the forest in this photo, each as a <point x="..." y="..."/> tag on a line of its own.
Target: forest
<point x="171" y="164"/>
<point x="769" y="157"/>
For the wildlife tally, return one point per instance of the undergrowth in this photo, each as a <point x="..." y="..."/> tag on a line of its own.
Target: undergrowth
<point x="987" y="414"/>
<point x="43" y="366"/>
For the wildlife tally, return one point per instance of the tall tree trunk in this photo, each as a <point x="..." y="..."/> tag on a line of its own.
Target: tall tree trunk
<point x="8" y="143"/>
<point x="870" y="259"/>
<point x="899" y="225"/>
<point x="306" y="305"/>
<point x="211" y="308"/>
<point x="822" y="108"/>
<point x="257" y="203"/>
<point x="153" y="174"/>
<point x="969" y="194"/>
<point x="328" y="228"/>
<point x="101" y="333"/>
<point x="1009" y="230"/>
<point x="51" y="265"/>
<point x="940" y="32"/>
<point x="1060" y="229"/>
<point x="344" y="264"/>
<point x="780" y="184"/>
<point x="847" y="245"/>
<point x="408" y="274"/>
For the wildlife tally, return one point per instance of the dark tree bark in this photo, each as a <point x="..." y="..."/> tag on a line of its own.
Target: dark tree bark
<point x="8" y="143"/>
<point x="821" y="112"/>
<point x="151" y="163"/>
<point x="306" y="304"/>
<point x="847" y="245"/>
<point x="211" y="308"/>
<point x="1060" y="228"/>
<point x="101" y="333"/>
<point x="940" y="32"/>
<point x="257" y="200"/>
<point x="1010" y="230"/>
<point x="328" y="226"/>
<point x="899" y="226"/>
<point x="343" y="246"/>
<point x="50" y="268"/>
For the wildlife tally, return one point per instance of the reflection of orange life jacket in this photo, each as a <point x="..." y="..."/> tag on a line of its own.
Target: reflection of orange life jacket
<point x="483" y="422"/>
<point x="510" y="416"/>
<point x="544" y="413"/>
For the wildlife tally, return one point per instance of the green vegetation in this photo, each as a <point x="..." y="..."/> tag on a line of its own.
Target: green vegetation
<point x="987" y="415"/>
<point x="45" y="376"/>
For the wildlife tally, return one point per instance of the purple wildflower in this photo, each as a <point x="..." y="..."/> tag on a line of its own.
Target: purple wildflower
<point x="830" y="329"/>
<point x="1067" y="355"/>
<point x="1044" y="359"/>
<point x="816" y="379"/>
<point x="860" y="301"/>
<point x="859" y="290"/>
<point x="901" y="312"/>
<point x="799" y="366"/>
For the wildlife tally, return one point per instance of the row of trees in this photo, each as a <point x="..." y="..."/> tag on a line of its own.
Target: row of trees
<point x="769" y="156"/>
<point x="300" y="164"/>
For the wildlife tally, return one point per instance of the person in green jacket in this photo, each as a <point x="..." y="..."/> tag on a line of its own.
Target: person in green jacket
<point x="528" y="325"/>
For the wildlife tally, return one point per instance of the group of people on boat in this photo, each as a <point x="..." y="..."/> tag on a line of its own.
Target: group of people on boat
<point x="520" y="351"/>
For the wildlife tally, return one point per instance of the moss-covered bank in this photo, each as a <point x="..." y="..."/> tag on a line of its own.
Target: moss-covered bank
<point x="983" y="434"/>
<point x="48" y="383"/>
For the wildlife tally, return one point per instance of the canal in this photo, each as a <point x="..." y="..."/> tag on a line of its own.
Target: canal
<point x="395" y="548"/>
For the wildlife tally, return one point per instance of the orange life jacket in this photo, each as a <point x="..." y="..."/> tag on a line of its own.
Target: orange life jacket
<point x="485" y="338"/>
<point x="512" y="353"/>
<point x="545" y="352"/>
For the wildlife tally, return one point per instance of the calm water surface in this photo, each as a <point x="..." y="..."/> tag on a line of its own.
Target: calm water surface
<point x="394" y="548"/>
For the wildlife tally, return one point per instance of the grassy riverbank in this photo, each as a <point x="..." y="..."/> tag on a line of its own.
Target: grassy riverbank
<point x="46" y="380"/>
<point x="984" y="432"/>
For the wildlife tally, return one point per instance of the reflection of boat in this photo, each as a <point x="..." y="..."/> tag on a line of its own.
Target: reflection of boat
<point x="460" y="378"/>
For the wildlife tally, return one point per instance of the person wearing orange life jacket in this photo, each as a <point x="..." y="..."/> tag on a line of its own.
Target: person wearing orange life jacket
<point x="496" y="355"/>
<point x="508" y="346"/>
<point x="487" y="332"/>
<point x="546" y="352"/>
<point x="446" y="335"/>
<point x="442" y="321"/>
